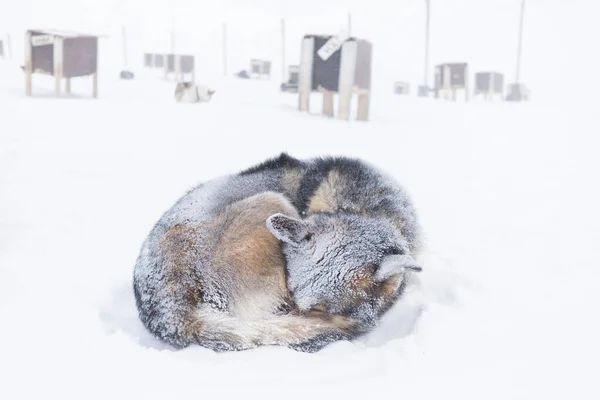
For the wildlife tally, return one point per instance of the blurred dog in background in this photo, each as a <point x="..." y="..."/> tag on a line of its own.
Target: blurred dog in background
<point x="188" y="92"/>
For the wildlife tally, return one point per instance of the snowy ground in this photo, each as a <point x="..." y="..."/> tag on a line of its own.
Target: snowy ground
<point x="504" y="309"/>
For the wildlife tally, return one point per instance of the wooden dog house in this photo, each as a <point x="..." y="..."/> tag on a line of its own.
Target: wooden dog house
<point x="62" y="55"/>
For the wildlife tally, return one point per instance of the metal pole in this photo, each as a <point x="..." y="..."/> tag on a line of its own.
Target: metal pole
<point x="172" y="41"/>
<point x="225" y="48"/>
<point x="520" y="47"/>
<point x="283" y="50"/>
<point x="426" y="67"/>
<point x="173" y="12"/>
<point x="124" y="34"/>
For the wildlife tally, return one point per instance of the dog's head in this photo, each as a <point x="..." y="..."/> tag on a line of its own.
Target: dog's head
<point x="343" y="264"/>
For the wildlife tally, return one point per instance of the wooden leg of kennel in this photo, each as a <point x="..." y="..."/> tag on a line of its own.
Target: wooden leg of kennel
<point x="177" y="67"/>
<point x="305" y="75"/>
<point x="58" y="65"/>
<point x="28" y="64"/>
<point x="328" y="103"/>
<point x="363" y="106"/>
<point x="344" y="103"/>
<point x="166" y="66"/>
<point x="346" y="79"/>
<point x="95" y="85"/>
<point x="446" y="81"/>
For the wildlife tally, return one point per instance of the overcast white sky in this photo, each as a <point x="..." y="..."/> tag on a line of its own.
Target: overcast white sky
<point x="559" y="53"/>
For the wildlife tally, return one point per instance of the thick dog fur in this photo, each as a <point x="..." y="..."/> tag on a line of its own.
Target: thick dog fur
<point x="289" y="252"/>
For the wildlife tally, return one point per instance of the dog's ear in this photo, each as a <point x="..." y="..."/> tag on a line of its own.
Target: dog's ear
<point x="391" y="272"/>
<point x="287" y="229"/>
<point x="210" y="92"/>
<point x="395" y="264"/>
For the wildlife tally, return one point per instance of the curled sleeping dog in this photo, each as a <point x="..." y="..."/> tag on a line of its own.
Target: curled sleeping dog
<point x="289" y="252"/>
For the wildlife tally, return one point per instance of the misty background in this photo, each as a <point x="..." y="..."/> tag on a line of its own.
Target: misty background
<point x="507" y="194"/>
<point x="558" y="62"/>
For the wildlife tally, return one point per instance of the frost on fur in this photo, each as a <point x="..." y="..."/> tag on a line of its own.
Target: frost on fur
<point x="348" y="265"/>
<point x="289" y="252"/>
<point x="287" y="229"/>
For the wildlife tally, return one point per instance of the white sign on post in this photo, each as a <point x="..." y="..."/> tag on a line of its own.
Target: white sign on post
<point x="41" y="40"/>
<point x="332" y="45"/>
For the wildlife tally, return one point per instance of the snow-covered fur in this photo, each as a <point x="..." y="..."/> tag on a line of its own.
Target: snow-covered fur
<point x="211" y="271"/>
<point x="355" y="248"/>
<point x="217" y="278"/>
<point x="188" y="92"/>
<point x="344" y="264"/>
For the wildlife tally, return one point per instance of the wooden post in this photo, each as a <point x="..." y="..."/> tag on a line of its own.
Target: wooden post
<point x="446" y="75"/>
<point x="346" y="78"/>
<point x="467" y="88"/>
<point x="28" y="65"/>
<point x="58" y="64"/>
<point x="95" y="78"/>
<point x="166" y="66"/>
<point x="327" y="103"/>
<point x="67" y="85"/>
<point x="436" y="82"/>
<point x="363" y="106"/>
<point x="305" y="74"/>
<point x="95" y="85"/>
<point x="177" y="67"/>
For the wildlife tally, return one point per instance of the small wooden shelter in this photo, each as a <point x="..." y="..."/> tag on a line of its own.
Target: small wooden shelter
<point x="451" y="77"/>
<point x="336" y="64"/>
<point x="62" y="55"/>
<point x="489" y="84"/>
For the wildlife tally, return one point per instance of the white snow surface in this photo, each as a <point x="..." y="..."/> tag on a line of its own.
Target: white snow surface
<point x="507" y="194"/>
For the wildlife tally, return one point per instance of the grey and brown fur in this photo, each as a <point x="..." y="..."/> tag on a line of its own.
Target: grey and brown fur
<point x="212" y="271"/>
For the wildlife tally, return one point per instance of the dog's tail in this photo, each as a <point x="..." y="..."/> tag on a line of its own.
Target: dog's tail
<point x="221" y="331"/>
